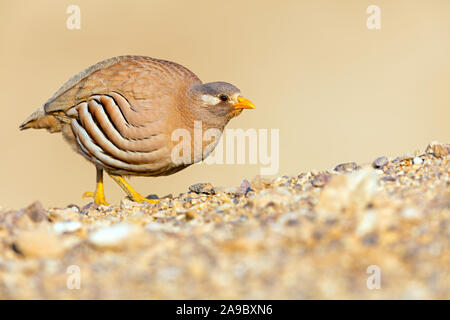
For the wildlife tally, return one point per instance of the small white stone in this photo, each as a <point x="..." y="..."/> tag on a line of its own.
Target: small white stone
<point x="67" y="226"/>
<point x="410" y="213"/>
<point x="111" y="236"/>
<point x="367" y="223"/>
<point x="75" y="209"/>
<point x="417" y="160"/>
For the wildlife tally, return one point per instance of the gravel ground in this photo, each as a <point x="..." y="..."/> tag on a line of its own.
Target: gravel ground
<point x="316" y="235"/>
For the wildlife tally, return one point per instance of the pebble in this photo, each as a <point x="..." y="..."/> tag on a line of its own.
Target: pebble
<point x="205" y="188"/>
<point x="380" y="162"/>
<point x="190" y="214"/>
<point x="89" y="206"/>
<point x="244" y="188"/>
<point x="63" y="214"/>
<point x="111" y="237"/>
<point x="417" y="160"/>
<point x="438" y="149"/>
<point x="67" y="227"/>
<point x="74" y="207"/>
<point x="36" y="212"/>
<point x="321" y="179"/>
<point x="410" y="213"/>
<point x="346" y="167"/>
<point x="40" y="243"/>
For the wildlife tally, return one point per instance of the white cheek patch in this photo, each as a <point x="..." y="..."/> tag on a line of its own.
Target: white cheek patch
<point x="210" y="100"/>
<point x="235" y="96"/>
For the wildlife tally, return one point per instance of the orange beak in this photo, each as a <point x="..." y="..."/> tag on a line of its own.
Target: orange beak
<point x="243" y="104"/>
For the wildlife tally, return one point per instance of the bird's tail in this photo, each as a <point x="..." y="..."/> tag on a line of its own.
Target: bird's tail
<point x="41" y="120"/>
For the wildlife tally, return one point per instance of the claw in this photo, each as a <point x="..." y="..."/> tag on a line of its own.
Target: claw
<point x="138" y="198"/>
<point x="99" y="197"/>
<point x="88" y="194"/>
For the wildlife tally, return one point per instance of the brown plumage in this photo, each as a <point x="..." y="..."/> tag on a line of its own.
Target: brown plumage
<point x="120" y="115"/>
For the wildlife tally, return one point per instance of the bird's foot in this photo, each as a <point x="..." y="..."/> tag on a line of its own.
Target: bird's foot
<point x="131" y="193"/>
<point x="99" y="197"/>
<point x="99" y="194"/>
<point x="138" y="198"/>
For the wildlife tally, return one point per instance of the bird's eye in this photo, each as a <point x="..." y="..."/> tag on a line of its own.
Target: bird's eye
<point x="223" y="97"/>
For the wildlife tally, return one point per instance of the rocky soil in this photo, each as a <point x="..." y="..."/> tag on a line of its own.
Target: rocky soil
<point x="316" y="235"/>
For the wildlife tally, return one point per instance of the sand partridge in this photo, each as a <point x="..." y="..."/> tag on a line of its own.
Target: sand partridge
<point x="120" y="114"/>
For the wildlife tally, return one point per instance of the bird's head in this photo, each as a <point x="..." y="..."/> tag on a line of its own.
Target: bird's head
<point x="219" y="100"/>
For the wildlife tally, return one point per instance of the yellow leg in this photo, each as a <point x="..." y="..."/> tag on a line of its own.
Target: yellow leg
<point x="99" y="194"/>
<point x="132" y="194"/>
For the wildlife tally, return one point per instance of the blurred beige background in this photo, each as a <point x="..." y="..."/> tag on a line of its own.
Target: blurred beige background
<point x="337" y="91"/>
